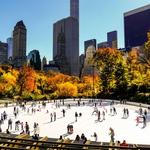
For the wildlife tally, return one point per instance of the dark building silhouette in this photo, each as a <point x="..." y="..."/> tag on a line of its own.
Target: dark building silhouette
<point x="74" y="9"/>
<point x="136" y="26"/>
<point x="19" y="44"/>
<point x="34" y="59"/>
<point x="3" y="53"/>
<point x="66" y="41"/>
<point x="43" y="62"/>
<point x="102" y="45"/>
<point x="66" y="45"/>
<point x="112" y="39"/>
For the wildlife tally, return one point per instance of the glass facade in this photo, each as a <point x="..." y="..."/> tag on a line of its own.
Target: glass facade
<point x="136" y="26"/>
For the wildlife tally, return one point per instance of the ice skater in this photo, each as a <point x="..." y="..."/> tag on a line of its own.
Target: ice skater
<point x="124" y="113"/>
<point x="95" y="136"/>
<point x="137" y="120"/>
<point x="112" y="134"/>
<point x="145" y="113"/>
<point x="95" y="110"/>
<point x="99" y="116"/>
<point x="17" y="125"/>
<point x="127" y="112"/>
<point x="54" y="116"/>
<point x="51" y="116"/>
<point x="27" y="128"/>
<point x="10" y="124"/>
<point x="76" y="116"/>
<point x="103" y="115"/>
<point x="144" y="121"/>
<point x="63" y="112"/>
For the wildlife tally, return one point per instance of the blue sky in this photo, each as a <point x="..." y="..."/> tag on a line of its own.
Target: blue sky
<point x="97" y="17"/>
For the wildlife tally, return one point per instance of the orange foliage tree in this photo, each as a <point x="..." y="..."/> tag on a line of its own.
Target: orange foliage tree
<point x="26" y="80"/>
<point x="66" y="89"/>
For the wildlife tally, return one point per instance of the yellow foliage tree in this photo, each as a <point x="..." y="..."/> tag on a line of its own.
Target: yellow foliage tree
<point x="66" y="89"/>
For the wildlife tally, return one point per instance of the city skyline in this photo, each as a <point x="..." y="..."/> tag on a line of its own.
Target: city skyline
<point x="96" y="19"/>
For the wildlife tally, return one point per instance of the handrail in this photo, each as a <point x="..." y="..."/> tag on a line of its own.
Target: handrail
<point x="50" y="144"/>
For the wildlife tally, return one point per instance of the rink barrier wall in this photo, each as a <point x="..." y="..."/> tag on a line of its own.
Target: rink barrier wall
<point x="74" y="101"/>
<point x="18" y="142"/>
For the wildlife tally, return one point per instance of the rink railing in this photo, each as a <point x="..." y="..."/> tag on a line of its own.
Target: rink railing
<point x="24" y="144"/>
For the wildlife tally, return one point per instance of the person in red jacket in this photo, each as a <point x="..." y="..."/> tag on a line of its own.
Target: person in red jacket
<point x="124" y="143"/>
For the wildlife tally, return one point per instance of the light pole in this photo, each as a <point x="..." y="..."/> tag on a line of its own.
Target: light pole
<point x="93" y="93"/>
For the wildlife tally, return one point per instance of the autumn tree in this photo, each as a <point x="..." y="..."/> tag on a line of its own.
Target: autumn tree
<point x="144" y="58"/>
<point x="66" y="89"/>
<point x="26" y="80"/>
<point x="8" y="81"/>
<point x="121" y="78"/>
<point x="105" y="60"/>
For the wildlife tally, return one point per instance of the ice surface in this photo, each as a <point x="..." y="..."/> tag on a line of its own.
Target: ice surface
<point x="125" y="129"/>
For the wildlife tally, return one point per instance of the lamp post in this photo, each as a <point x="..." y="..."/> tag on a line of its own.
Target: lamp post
<point x="93" y="93"/>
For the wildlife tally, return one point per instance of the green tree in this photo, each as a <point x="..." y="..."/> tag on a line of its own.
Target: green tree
<point x="145" y="57"/>
<point x="105" y="60"/>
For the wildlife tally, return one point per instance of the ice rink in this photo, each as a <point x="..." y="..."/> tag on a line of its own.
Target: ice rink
<point x="124" y="128"/>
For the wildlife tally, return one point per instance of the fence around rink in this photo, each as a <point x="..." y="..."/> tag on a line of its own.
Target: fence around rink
<point x="24" y="142"/>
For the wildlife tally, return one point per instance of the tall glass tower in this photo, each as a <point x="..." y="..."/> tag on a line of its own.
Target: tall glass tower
<point x="74" y="9"/>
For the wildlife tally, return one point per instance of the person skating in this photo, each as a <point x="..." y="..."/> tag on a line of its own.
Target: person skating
<point x="4" y="115"/>
<point x="124" y="113"/>
<point x="144" y="121"/>
<point x="51" y="116"/>
<point x="10" y="124"/>
<point x="145" y="113"/>
<point x="63" y="112"/>
<point x="103" y="115"/>
<point x="112" y="134"/>
<point x="137" y="121"/>
<point x="95" y="136"/>
<point x="95" y="110"/>
<point x="27" y="128"/>
<point x="17" y="125"/>
<point x="127" y="112"/>
<point x="99" y="115"/>
<point x="114" y="111"/>
<point x="54" y="116"/>
<point x="76" y="116"/>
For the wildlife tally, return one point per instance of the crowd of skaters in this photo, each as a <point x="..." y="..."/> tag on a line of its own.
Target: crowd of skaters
<point x="19" y="126"/>
<point x="142" y="118"/>
<point x="26" y="129"/>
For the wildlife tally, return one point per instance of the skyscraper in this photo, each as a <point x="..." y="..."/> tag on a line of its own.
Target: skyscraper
<point x="74" y="9"/>
<point x="3" y="52"/>
<point x="43" y="62"/>
<point x="34" y="59"/>
<point x="136" y="26"/>
<point x="66" y="45"/>
<point x="10" y="47"/>
<point x="19" y="44"/>
<point x="66" y="41"/>
<point x="89" y="43"/>
<point x="112" y="39"/>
